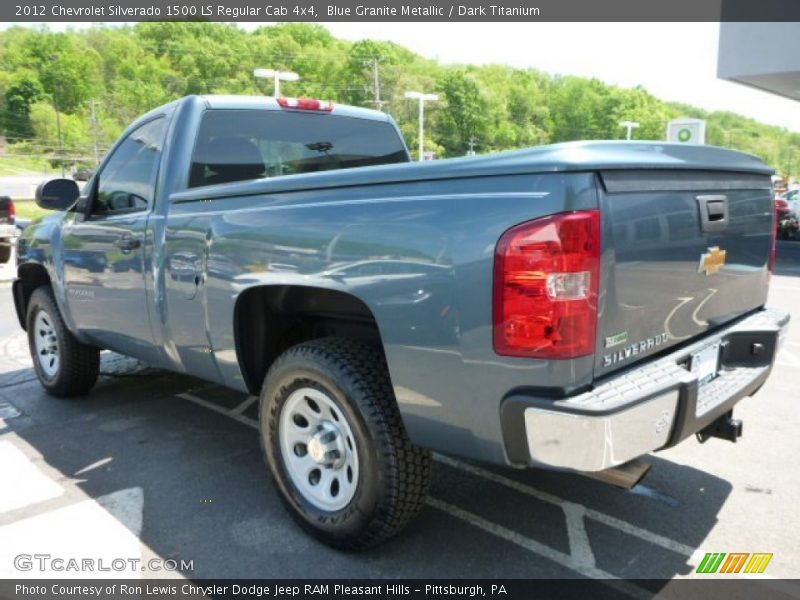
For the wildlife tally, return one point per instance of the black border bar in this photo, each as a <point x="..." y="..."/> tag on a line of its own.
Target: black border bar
<point x="707" y="587"/>
<point x="104" y="11"/>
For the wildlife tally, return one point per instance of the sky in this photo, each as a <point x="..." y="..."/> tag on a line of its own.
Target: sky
<point x="673" y="61"/>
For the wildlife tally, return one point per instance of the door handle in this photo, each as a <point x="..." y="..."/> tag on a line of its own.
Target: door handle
<point x="127" y="243"/>
<point x="713" y="212"/>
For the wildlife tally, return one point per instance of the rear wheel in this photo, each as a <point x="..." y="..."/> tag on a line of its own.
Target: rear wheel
<point x="334" y="441"/>
<point x="64" y="366"/>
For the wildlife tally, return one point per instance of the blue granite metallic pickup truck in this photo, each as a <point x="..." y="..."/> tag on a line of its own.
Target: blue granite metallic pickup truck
<point x="573" y="307"/>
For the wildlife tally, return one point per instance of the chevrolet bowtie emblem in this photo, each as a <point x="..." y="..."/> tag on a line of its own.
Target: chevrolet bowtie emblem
<point x="712" y="261"/>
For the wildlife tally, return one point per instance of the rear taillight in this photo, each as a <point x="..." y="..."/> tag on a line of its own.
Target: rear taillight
<point x="306" y="104"/>
<point x="546" y="276"/>
<point x="12" y="212"/>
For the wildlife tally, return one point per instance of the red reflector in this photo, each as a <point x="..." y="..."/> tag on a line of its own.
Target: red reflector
<point x="306" y="104"/>
<point x="546" y="276"/>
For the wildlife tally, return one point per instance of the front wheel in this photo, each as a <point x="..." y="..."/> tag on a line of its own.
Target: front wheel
<point x="64" y="366"/>
<point x="336" y="445"/>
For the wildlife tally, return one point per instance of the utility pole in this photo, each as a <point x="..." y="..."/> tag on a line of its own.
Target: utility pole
<point x="376" y="83"/>
<point x="60" y="138"/>
<point x="630" y="126"/>
<point x="94" y="123"/>
<point x="422" y="99"/>
<point x="54" y="58"/>
<point x="277" y="77"/>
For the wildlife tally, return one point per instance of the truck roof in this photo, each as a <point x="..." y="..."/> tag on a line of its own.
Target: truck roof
<point x="214" y="101"/>
<point x="221" y="101"/>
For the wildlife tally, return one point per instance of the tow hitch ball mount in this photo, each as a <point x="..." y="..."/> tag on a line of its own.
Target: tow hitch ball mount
<point x="725" y="427"/>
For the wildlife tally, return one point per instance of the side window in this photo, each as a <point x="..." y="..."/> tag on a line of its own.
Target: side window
<point x="126" y="182"/>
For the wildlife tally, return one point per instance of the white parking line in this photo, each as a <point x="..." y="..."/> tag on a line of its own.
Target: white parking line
<point x="30" y="485"/>
<point x="581" y="557"/>
<point x="116" y="523"/>
<point x="223" y="411"/>
<point x="580" y="549"/>
<point x="538" y="548"/>
<point x="624" y="526"/>
<point x="245" y="405"/>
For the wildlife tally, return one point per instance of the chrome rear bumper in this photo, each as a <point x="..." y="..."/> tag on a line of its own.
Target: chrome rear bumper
<point x="655" y="405"/>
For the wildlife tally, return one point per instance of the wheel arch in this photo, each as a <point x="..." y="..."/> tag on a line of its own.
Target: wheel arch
<point x="271" y="318"/>
<point x="29" y="277"/>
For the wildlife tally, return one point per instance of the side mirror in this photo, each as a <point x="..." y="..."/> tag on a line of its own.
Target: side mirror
<point x="57" y="194"/>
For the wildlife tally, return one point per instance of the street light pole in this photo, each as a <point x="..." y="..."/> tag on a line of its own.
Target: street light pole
<point x="422" y="99"/>
<point x="630" y="126"/>
<point x="277" y="77"/>
<point x="53" y="58"/>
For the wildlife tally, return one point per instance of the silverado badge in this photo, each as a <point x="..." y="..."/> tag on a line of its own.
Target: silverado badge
<point x="633" y="350"/>
<point x="712" y="261"/>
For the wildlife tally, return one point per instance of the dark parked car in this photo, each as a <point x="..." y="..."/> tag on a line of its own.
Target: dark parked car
<point x="83" y="174"/>
<point x="8" y="228"/>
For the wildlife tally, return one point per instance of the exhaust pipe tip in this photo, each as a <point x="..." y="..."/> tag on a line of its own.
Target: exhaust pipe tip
<point x="624" y="476"/>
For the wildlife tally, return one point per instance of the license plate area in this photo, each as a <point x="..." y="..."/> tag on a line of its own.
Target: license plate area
<point x="704" y="364"/>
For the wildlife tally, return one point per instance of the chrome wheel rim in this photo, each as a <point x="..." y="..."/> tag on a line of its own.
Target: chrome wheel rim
<point x="319" y="449"/>
<point x="46" y="343"/>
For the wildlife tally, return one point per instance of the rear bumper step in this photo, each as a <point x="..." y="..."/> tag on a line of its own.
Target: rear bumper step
<point x="649" y="407"/>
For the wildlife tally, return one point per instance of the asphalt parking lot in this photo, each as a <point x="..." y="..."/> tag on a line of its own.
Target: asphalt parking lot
<point x="161" y="466"/>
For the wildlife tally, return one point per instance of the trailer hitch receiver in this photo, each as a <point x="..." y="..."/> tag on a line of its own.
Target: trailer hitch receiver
<point x="725" y="427"/>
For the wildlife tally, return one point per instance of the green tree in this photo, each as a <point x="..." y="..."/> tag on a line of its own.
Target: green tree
<point x="464" y="115"/>
<point x="19" y="97"/>
<point x="132" y="69"/>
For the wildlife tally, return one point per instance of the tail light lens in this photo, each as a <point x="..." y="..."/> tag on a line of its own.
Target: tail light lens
<point x="546" y="276"/>
<point x="7" y="207"/>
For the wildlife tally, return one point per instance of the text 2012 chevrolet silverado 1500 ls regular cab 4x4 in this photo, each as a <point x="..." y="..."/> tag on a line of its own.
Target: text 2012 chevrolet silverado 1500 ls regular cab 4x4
<point x="572" y="306"/>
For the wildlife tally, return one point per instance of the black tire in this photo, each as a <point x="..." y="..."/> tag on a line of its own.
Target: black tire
<point x="393" y="476"/>
<point x="78" y="364"/>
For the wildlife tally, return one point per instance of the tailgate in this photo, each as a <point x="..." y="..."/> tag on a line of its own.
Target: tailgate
<point x="683" y="252"/>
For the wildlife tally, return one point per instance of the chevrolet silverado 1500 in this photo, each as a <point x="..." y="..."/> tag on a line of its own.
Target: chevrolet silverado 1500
<point x="572" y="307"/>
